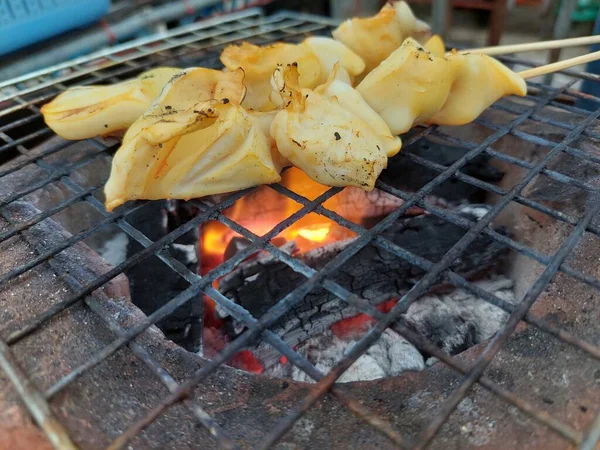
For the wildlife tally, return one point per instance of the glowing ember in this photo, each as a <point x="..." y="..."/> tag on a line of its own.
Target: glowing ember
<point x="260" y="211"/>
<point x="245" y="360"/>
<point x="355" y="327"/>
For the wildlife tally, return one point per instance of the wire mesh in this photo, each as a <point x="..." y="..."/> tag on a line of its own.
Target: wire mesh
<point x="201" y="43"/>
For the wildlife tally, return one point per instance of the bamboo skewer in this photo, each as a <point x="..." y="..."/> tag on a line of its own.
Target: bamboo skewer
<point x="533" y="46"/>
<point x="560" y="65"/>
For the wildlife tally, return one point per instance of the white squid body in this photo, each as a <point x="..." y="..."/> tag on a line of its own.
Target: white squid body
<point x="88" y="111"/>
<point x="314" y="57"/>
<point x="335" y="144"/>
<point x="375" y="38"/>
<point x="415" y="86"/>
<point x="84" y="112"/>
<point x="182" y="150"/>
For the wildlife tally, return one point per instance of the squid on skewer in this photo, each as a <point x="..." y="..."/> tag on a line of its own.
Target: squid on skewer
<point x="330" y="133"/>
<point x="414" y="86"/>
<point x="89" y="111"/>
<point x="184" y="150"/>
<point x="480" y="82"/>
<point x="435" y="45"/>
<point x="201" y="137"/>
<point x="315" y="58"/>
<point x="375" y="38"/>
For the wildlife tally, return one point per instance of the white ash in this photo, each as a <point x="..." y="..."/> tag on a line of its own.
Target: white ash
<point x="389" y="356"/>
<point x="431" y="361"/>
<point x="459" y="320"/>
<point x="475" y="210"/>
<point x="453" y="322"/>
<point x="114" y="249"/>
<point x="188" y="252"/>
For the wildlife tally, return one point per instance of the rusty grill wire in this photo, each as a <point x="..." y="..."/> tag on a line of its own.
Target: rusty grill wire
<point x="26" y="94"/>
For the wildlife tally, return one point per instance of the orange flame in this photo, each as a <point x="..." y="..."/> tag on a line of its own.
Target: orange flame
<point x="261" y="210"/>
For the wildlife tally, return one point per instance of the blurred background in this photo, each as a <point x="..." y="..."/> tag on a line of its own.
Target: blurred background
<point x="39" y="33"/>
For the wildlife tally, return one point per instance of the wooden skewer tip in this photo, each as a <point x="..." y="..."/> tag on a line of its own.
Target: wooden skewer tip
<point x="560" y="65"/>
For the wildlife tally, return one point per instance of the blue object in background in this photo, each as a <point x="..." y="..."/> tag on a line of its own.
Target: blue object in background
<point x="588" y="86"/>
<point x="25" y="22"/>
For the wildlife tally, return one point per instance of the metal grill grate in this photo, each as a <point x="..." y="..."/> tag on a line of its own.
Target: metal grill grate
<point x="202" y="43"/>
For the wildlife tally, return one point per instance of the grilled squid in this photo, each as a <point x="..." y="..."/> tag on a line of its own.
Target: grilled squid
<point x="330" y="52"/>
<point x="329" y="133"/>
<point x="83" y="112"/>
<point x="435" y="45"/>
<point x="415" y="86"/>
<point x="480" y="82"/>
<point x="375" y="38"/>
<point x="89" y="111"/>
<point x="179" y="149"/>
<point x="315" y="58"/>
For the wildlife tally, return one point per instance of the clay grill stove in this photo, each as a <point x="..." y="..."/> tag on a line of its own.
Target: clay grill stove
<point x="91" y="370"/>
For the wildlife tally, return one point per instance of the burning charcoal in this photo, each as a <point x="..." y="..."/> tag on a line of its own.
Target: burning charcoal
<point x="375" y="203"/>
<point x="376" y="275"/>
<point x="236" y="245"/>
<point x="453" y="322"/>
<point x="368" y="208"/>
<point x="246" y="270"/>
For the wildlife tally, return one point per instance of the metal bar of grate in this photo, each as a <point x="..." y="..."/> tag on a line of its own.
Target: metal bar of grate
<point x="414" y="338"/>
<point x="194" y="289"/>
<point x="55" y="177"/>
<point x="510" y="243"/>
<point x="251" y="25"/>
<point x="130" y="46"/>
<point x="272" y="338"/>
<point x="292" y="298"/>
<point x="137" y="349"/>
<point x="491" y="188"/>
<point x="243" y="315"/>
<point x="456" y="279"/>
<point x="37" y="405"/>
<point x="523" y="249"/>
<point x="419" y="289"/>
<point x="488" y="354"/>
<point x="100" y="78"/>
<point x="593" y="437"/>
<point x="265" y="28"/>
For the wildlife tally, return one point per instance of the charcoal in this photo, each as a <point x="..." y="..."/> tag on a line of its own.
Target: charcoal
<point x="372" y="273"/>
<point x="236" y="245"/>
<point x="459" y="320"/>
<point x="153" y="283"/>
<point x="409" y="175"/>
<point x="453" y="322"/>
